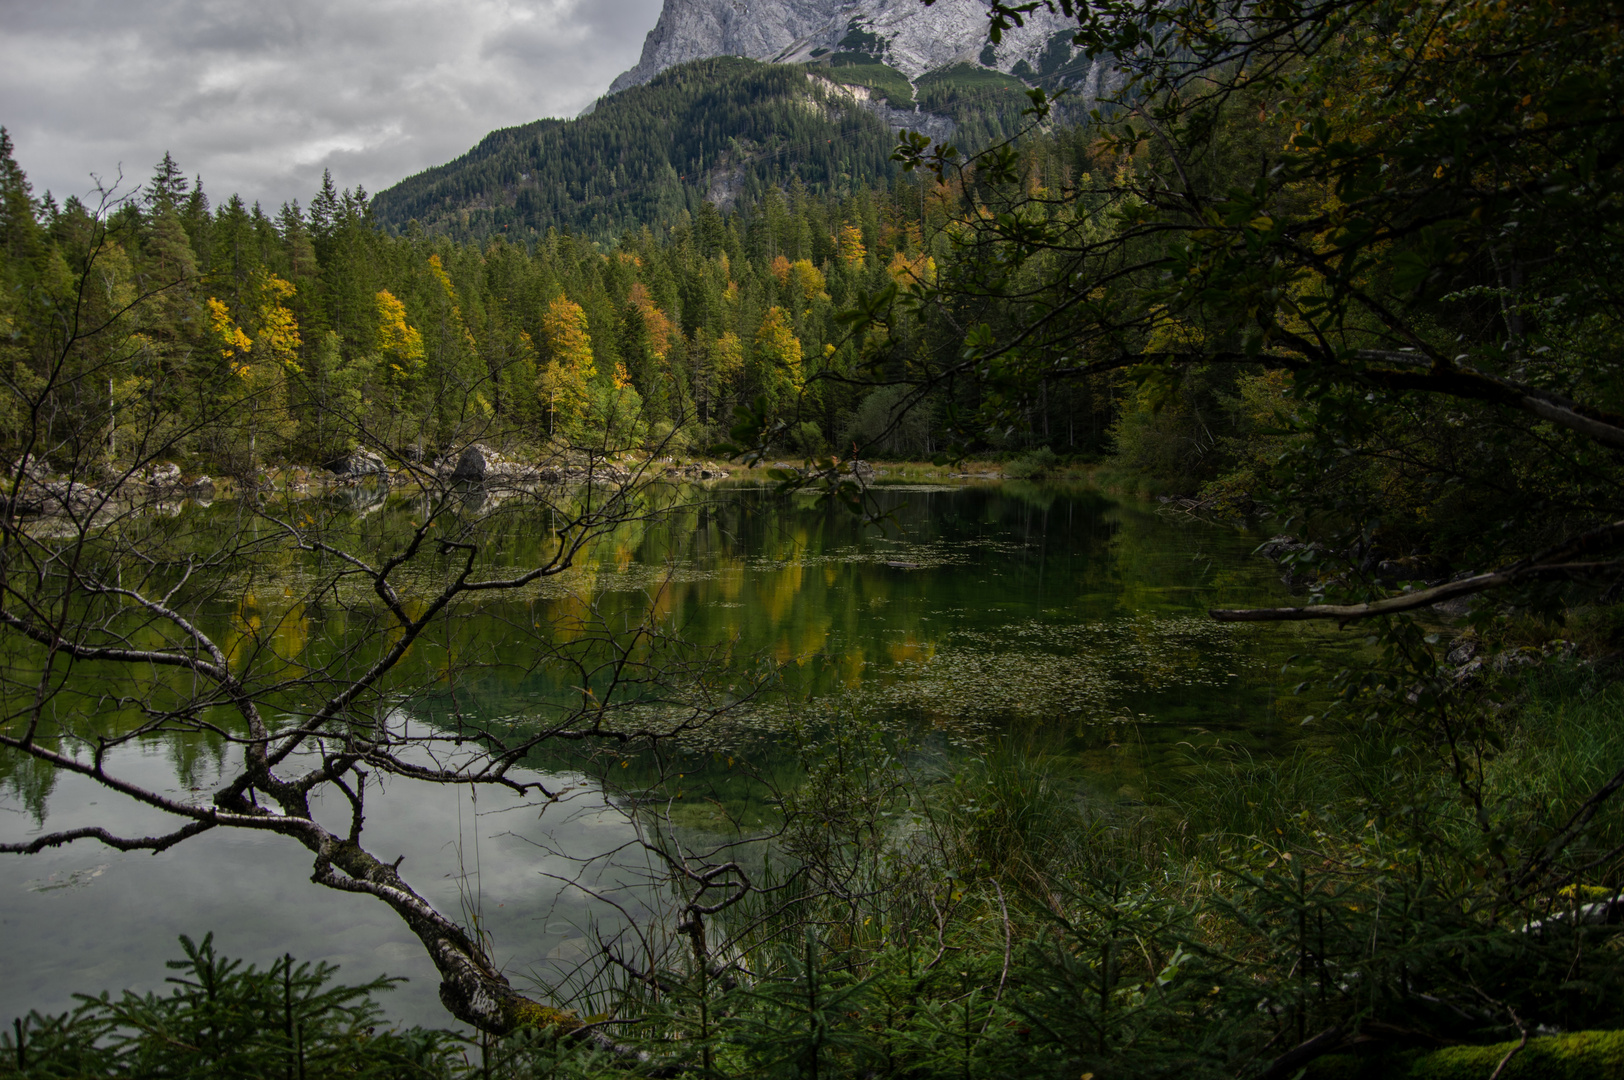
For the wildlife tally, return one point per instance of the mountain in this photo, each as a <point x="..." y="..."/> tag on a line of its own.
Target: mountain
<point x="903" y="34"/>
<point x="705" y="131"/>
<point x="732" y="96"/>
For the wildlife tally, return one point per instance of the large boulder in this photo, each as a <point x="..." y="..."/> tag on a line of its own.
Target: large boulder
<point x="477" y="464"/>
<point x="359" y="462"/>
<point x="166" y="476"/>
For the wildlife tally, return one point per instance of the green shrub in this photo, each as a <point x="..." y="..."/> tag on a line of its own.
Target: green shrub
<point x="1039" y="463"/>
<point x="224" y="1019"/>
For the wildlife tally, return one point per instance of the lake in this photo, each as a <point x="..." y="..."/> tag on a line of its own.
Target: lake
<point x="1048" y="616"/>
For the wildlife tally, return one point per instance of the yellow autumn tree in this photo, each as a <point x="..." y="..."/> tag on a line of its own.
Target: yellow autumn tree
<point x="565" y="382"/>
<point x="918" y="268"/>
<point x="399" y="345"/>
<point x="778" y="357"/>
<point x="717" y="364"/>
<point x="659" y="325"/>
<point x="851" y="246"/>
<point x="809" y="281"/>
<point x="228" y="337"/>
<point x="728" y="357"/>
<point x="276" y="331"/>
<point x="400" y="365"/>
<point x="451" y="355"/>
<point x="260" y="345"/>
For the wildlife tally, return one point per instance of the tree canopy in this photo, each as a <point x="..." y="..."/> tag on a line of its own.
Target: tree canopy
<point x="1374" y="245"/>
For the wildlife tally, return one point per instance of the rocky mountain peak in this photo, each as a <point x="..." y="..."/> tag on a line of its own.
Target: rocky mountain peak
<point x="903" y="34"/>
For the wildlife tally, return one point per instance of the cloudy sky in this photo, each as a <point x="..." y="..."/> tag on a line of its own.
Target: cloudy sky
<point x="258" y="96"/>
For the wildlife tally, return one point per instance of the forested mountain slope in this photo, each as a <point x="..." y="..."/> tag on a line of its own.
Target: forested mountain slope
<point x="708" y="131"/>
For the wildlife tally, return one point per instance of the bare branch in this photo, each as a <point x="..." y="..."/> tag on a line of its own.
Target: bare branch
<point x="153" y="844"/>
<point x="1411" y="601"/>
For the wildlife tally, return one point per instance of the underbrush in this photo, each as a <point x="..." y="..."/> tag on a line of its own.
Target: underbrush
<point x="995" y="920"/>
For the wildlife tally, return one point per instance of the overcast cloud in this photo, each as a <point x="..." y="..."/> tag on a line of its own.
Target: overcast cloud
<point x="259" y="98"/>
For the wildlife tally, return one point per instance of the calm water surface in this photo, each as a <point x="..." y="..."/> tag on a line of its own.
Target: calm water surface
<point x="1041" y="615"/>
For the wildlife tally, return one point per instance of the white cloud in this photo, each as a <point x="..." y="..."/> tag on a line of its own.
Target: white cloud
<point x="258" y="98"/>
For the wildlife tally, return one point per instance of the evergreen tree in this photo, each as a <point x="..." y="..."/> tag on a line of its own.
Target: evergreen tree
<point x="326" y="209"/>
<point x="167" y="186"/>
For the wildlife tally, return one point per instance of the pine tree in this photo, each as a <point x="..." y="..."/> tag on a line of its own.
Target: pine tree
<point x="326" y="209"/>
<point x="19" y="229"/>
<point x="298" y="253"/>
<point x="167" y="186"/>
<point x="778" y="358"/>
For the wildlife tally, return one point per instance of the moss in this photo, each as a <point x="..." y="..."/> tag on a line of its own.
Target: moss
<point x="1582" y="1055"/>
<point x="1339" y="1067"/>
<point x="522" y="1012"/>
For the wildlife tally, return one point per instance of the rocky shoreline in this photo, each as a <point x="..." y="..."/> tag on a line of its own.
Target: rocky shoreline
<point x="35" y="490"/>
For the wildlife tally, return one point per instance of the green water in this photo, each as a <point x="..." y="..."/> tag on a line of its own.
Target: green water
<point x="979" y="612"/>
<point x="1039" y="615"/>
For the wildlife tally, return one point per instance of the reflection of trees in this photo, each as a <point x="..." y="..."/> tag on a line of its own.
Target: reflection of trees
<point x="296" y="633"/>
<point x="277" y="638"/>
<point x="275" y="646"/>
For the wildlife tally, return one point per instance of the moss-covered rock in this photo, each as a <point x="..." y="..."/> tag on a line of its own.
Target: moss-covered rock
<point x="1582" y="1055"/>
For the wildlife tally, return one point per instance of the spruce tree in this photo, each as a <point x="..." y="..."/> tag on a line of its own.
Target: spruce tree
<point x="167" y="186"/>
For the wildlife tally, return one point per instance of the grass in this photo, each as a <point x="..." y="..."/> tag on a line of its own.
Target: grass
<point x="1566" y="743"/>
<point x="856" y="69"/>
<point x="968" y="77"/>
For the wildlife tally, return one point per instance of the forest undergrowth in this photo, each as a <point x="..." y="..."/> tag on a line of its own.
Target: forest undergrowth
<point x="1001" y="918"/>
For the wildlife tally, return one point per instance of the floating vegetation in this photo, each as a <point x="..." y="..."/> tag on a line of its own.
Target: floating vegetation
<point x="967" y="685"/>
<point x="895" y="553"/>
<point x="72" y="879"/>
<point x="1077" y="671"/>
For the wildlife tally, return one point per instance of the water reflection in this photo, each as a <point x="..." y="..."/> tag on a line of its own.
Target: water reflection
<point x="86" y="918"/>
<point x="1024" y="611"/>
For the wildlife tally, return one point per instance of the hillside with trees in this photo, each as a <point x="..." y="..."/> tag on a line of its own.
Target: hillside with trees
<point x="720" y="131"/>
<point x="269" y="339"/>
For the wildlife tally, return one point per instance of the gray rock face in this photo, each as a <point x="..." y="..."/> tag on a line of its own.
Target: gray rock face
<point x="939" y="128"/>
<point x="915" y="39"/>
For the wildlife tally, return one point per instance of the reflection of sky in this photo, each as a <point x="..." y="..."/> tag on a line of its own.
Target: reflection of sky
<point x="115" y="929"/>
<point x="973" y="606"/>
